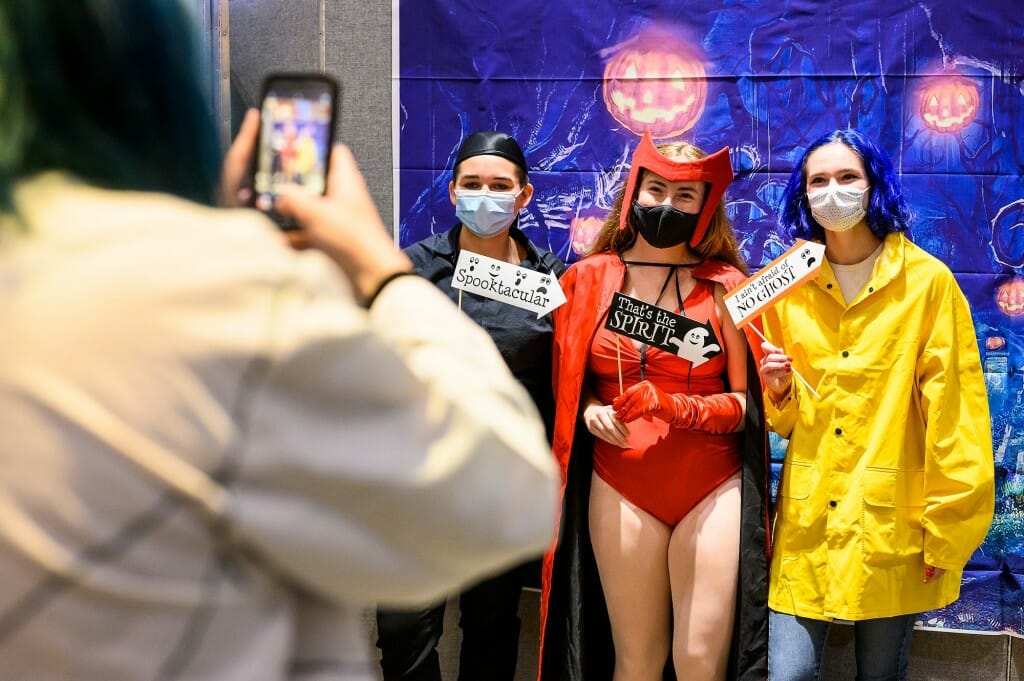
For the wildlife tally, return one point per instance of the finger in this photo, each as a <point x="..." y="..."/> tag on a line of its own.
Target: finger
<point x="601" y="431"/>
<point x="238" y="158"/>
<point x="344" y="176"/>
<point x="626" y="411"/>
<point x="612" y="435"/>
<point x="617" y="440"/>
<point x="629" y="397"/>
<point x="244" y="146"/>
<point x="297" y="203"/>
<point x="604" y="426"/>
<point x="240" y="153"/>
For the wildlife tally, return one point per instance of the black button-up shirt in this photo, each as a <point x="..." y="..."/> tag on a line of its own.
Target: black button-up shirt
<point x="523" y="340"/>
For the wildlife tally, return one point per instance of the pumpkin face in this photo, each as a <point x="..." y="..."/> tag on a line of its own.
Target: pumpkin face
<point x="949" y="103"/>
<point x="583" y="233"/>
<point x="995" y="343"/>
<point x="1010" y="298"/>
<point x="655" y="82"/>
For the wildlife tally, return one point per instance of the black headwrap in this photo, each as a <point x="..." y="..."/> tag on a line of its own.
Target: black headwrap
<point x="492" y="143"/>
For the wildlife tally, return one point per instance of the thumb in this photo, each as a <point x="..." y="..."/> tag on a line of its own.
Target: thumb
<point x="298" y="204"/>
<point x="344" y="177"/>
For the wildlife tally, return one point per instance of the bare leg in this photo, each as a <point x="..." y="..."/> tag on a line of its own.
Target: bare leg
<point x="703" y="559"/>
<point x="630" y="547"/>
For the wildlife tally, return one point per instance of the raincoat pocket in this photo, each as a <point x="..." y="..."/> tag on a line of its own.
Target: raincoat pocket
<point x="797" y="479"/>
<point x="796" y="513"/>
<point x="891" y="531"/>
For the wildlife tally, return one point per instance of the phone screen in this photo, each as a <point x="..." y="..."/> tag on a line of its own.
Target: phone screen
<point x="296" y="121"/>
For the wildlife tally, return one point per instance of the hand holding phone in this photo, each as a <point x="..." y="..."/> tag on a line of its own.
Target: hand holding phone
<point x="345" y="225"/>
<point x="297" y="117"/>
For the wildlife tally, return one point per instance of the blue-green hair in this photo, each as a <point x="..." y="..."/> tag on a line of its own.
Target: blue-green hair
<point x="110" y="91"/>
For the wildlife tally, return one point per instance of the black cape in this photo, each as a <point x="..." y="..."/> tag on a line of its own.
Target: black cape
<point x="577" y="639"/>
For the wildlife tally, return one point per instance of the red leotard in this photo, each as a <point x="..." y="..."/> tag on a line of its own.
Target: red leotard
<point x="665" y="471"/>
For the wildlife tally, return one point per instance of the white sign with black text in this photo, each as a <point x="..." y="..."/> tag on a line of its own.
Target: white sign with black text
<point x="502" y="281"/>
<point x="774" y="281"/>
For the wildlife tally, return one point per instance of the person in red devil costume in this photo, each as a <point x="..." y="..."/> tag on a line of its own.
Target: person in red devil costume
<point x="660" y="561"/>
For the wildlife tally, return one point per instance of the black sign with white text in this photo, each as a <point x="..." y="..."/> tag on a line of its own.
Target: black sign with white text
<point x="665" y="330"/>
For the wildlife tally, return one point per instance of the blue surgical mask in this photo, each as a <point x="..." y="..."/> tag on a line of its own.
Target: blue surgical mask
<point x="483" y="212"/>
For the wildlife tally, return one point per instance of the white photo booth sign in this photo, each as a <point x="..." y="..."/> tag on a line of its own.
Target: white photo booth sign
<point x="774" y="281"/>
<point x="502" y="281"/>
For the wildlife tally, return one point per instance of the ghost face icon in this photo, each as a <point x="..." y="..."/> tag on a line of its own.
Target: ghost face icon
<point x="692" y="346"/>
<point x="695" y="337"/>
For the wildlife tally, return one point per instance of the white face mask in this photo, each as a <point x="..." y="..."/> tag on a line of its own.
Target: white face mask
<point x="837" y="208"/>
<point x="483" y="212"/>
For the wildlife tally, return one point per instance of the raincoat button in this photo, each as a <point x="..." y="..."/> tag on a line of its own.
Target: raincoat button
<point x="839" y="431"/>
<point x="832" y="503"/>
<point x="846" y="353"/>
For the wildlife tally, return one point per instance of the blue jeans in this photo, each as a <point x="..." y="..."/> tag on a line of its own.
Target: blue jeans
<point x="795" y="645"/>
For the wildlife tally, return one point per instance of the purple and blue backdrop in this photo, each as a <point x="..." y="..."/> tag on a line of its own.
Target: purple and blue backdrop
<point x="939" y="83"/>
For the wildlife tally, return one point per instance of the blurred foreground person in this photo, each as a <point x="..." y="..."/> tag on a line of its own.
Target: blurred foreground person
<point x="209" y="445"/>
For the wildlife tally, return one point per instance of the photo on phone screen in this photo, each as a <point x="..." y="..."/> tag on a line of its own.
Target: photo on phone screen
<point x="296" y="132"/>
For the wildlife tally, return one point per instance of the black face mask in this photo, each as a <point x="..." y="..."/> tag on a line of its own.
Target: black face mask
<point x="664" y="226"/>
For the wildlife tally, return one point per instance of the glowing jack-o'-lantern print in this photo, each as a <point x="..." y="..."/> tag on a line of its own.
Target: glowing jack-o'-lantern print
<point x="995" y="343"/>
<point x="1010" y="298"/>
<point x="655" y="81"/>
<point x="583" y="232"/>
<point x="949" y="103"/>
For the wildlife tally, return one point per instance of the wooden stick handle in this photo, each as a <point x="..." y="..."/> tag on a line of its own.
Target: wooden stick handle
<point x="795" y="372"/>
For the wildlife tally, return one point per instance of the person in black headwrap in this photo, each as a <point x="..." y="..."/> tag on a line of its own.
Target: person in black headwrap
<point x="489" y="187"/>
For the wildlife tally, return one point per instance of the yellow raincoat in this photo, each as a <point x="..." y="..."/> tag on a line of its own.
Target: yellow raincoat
<point x="892" y="467"/>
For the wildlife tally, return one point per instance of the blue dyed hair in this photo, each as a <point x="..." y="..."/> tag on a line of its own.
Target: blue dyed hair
<point x="110" y="91"/>
<point x="887" y="209"/>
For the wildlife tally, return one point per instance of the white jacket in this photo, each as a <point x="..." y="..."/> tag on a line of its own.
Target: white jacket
<point x="208" y="448"/>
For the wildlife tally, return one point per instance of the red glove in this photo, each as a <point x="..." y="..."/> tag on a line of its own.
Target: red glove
<point x="719" y="413"/>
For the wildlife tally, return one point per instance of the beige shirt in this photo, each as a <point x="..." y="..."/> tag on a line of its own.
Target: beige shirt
<point x="209" y="449"/>
<point x="853" y="278"/>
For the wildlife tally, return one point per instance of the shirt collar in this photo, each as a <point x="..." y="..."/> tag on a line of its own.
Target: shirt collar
<point x="449" y="247"/>
<point x="887" y="267"/>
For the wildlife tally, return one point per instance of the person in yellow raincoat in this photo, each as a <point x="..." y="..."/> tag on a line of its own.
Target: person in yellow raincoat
<point x="887" y="486"/>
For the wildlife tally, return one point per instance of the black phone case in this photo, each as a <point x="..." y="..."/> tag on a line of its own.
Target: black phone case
<point x="274" y="81"/>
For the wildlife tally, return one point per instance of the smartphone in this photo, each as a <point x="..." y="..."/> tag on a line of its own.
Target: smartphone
<point x="297" y="116"/>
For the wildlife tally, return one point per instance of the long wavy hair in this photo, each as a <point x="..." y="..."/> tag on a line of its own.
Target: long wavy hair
<point x="110" y="91"/>
<point x="719" y="243"/>
<point x="887" y="208"/>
